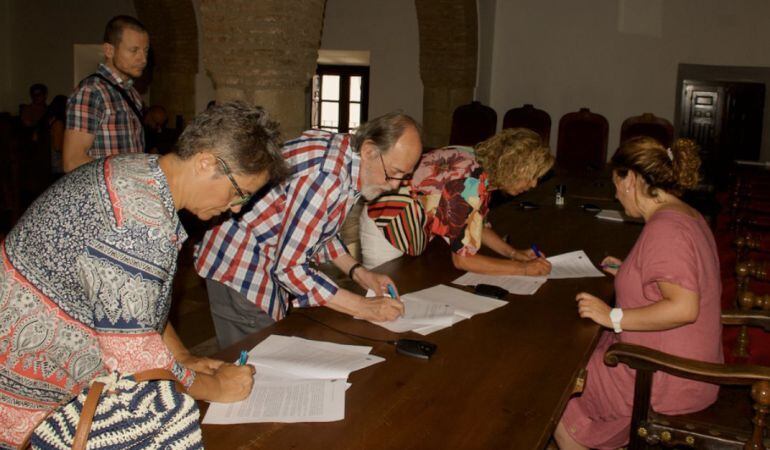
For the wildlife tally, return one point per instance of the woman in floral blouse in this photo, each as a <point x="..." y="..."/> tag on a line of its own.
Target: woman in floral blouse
<point x="452" y="186"/>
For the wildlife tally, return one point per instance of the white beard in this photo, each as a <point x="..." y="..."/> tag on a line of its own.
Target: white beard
<point x="372" y="192"/>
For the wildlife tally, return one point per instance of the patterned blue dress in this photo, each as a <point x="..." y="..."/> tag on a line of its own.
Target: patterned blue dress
<point x="85" y="287"/>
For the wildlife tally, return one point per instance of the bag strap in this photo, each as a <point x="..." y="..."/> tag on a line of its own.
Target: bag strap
<point x="87" y="416"/>
<point x="159" y="374"/>
<point x="92" y="400"/>
<point x="83" y="428"/>
<point x="123" y="94"/>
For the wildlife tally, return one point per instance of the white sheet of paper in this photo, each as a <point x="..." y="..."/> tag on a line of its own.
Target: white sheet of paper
<point x="610" y="214"/>
<point x="418" y="314"/>
<point x="466" y="304"/>
<point x="573" y="265"/>
<point x="519" y="285"/>
<point x="567" y="265"/>
<point x="309" y="359"/>
<point x="288" y="400"/>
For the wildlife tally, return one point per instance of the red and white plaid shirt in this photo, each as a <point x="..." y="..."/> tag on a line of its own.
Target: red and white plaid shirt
<point x="266" y="254"/>
<point x="97" y="108"/>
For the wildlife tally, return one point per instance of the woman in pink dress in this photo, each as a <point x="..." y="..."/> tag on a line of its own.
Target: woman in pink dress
<point x="667" y="297"/>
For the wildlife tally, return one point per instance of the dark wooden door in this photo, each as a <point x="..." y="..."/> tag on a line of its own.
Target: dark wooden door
<point x="725" y="119"/>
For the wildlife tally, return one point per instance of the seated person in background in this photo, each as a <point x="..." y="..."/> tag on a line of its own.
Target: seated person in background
<point x="85" y="286"/>
<point x="448" y="197"/>
<point x="57" y="113"/>
<point x="158" y="139"/>
<point x="33" y="113"/>
<point x="667" y="292"/>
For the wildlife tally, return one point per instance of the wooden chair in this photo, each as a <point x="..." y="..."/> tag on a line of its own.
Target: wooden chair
<point x="647" y="125"/>
<point x="582" y="141"/>
<point x="735" y="421"/>
<point x="472" y="123"/>
<point x="530" y="117"/>
<point x="751" y="299"/>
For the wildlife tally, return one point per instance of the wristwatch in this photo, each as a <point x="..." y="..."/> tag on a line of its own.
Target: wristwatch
<point x="616" y="315"/>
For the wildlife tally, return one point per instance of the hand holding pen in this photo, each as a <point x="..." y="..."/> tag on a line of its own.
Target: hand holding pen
<point x="538" y="266"/>
<point x="610" y="264"/>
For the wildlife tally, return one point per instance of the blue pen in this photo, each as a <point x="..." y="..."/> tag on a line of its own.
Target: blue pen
<point x="244" y="357"/>
<point x="392" y="291"/>
<point x="537" y="251"/>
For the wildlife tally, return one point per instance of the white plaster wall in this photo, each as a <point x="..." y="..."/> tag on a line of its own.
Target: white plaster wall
<point x="388" y="29"/>
<point x="561" y="55"/>
<point x="39" y="38"/>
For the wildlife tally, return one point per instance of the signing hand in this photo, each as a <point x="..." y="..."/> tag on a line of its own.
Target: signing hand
<point x="591" y="307"/>
<point x="611" y="264"/>
<point x="235" y="382"/>
<point x="537" y="267"/>
<point x="379" y="309"/>
<point x="375" y="281"/>
<point x="524" y="255"/>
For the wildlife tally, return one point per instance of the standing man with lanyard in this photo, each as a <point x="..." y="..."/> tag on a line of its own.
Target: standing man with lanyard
<point x="104" y="114"/>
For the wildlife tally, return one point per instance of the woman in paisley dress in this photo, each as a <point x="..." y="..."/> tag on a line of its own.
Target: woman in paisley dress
<point x="85" y="285"/>
<point x="448" y="197"/>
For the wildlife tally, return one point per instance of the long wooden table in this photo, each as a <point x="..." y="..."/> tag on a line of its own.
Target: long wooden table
<point x="499" y="380"/>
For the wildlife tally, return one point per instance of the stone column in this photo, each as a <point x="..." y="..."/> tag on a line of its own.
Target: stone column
<point x="448" y="59"/>
<point x="264" y="52"/>
<point x="174" y="41"/>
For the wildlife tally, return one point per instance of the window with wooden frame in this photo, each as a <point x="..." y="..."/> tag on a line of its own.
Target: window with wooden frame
<point x="340" y="98"/>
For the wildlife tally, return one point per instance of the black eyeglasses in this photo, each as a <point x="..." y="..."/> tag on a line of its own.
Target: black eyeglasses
<point x="406" y="177"/>
<point x="242" y="198"/>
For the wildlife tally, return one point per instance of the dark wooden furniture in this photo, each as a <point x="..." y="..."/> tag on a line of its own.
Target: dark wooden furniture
<point x="650" y="125"/>
<point x="582" y="142"/>
<point x="528" y="116"/>
<point x="472" y="123"/>
<point x="498" y="381"/>
<point x="751" y="299"/>
<point x="736" y="420"/>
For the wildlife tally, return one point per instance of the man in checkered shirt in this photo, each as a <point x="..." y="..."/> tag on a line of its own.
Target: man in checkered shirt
<point x="257" y="265"/>
<point x="104" y="113"/>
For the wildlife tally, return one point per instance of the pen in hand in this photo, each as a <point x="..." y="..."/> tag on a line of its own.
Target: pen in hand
<point x="610" y="266"/>
<point x="244" y="357"/>
<point x="537" y="251"/>
<point x="392" y="291"/>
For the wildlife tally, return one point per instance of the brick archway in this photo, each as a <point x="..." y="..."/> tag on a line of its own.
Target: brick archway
<point x="448" y="61"/>
<point x="264" y="52"/>
<point x="174" y="40"/>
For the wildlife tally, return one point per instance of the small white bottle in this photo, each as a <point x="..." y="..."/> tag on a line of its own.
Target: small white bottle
<point x="560" y="195"/>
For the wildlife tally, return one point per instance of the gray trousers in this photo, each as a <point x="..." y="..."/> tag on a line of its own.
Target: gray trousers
<point x="234" y="316"/>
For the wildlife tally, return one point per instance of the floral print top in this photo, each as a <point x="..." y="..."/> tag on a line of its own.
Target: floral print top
<point x="454" y="190"/>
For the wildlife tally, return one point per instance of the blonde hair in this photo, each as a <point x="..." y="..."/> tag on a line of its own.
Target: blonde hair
<point x="512" y="155"/>
<point x="673" y="170"/>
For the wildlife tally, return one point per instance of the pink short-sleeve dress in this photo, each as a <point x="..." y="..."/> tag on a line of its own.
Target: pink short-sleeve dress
<point x="676" y="248"/>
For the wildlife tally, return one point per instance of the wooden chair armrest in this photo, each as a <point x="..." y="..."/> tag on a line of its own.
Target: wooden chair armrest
<point x="759" y="319"/>
<point x="643" y="358"/>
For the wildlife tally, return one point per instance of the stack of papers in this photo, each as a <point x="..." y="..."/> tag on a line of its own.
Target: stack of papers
<point x="438" y="307"/>
<point x="297" y="380"/>
<point x="567" y="265"/>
